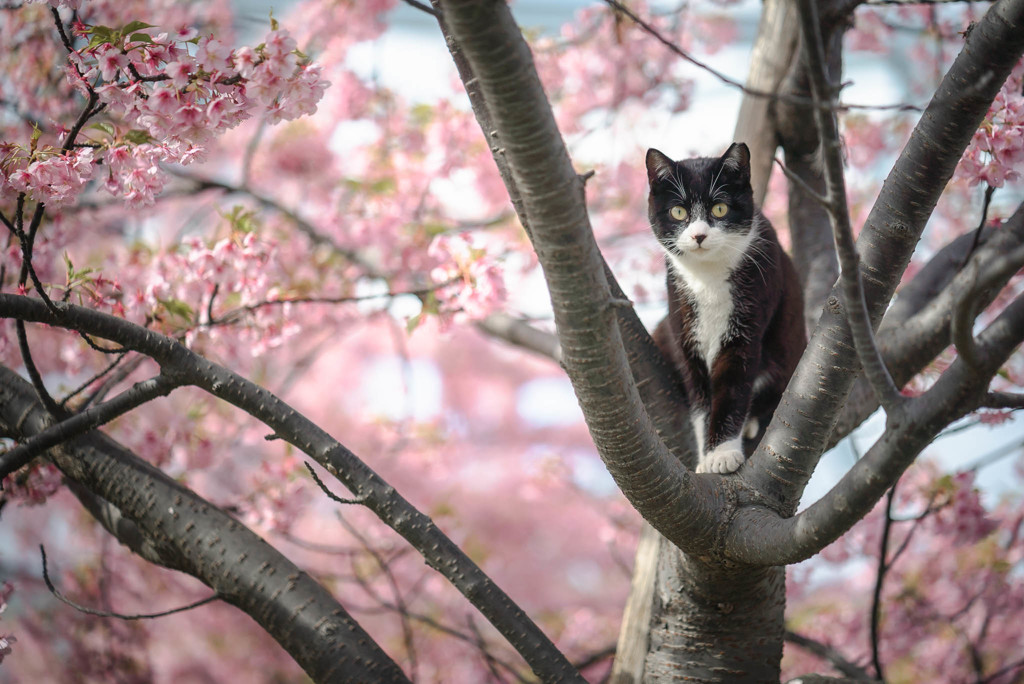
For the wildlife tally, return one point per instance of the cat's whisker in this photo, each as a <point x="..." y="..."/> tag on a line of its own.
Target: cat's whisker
<point x="715" y="300"/>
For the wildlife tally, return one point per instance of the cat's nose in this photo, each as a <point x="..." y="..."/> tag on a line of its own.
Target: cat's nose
<point x="699" y="238"/>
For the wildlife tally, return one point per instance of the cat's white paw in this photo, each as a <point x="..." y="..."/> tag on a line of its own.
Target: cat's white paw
<point x="752" y="427"/>
<point x="723" y="459"/>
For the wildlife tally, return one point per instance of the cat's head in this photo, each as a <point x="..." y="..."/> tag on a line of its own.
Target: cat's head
<point x="702" y="209"/>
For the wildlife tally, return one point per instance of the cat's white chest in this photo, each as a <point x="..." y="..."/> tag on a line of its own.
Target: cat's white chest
<point x="709" y="290"/>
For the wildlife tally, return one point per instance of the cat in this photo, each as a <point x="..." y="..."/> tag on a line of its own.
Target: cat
<point x="735" y="326"/>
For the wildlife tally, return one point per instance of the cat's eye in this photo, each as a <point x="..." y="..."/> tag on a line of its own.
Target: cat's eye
<point x="678" y="213"/>
<point x="719" y="210"/>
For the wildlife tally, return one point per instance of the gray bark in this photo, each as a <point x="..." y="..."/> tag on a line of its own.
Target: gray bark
<point x="718" y="599"/>
<point x="185" y="367"/>
<point x="170" y="525"/>
<point x="553" y="208"/>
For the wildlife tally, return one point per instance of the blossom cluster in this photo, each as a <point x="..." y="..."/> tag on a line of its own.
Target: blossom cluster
<point x="165" y="96"/>
<point x="471" y="280"/>
<point x="996" y="152"/>
<point x="33" y="484"/>
<point x="53" y="176"/>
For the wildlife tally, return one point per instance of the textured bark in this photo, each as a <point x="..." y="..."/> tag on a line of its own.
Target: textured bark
<point x="583" y="300"/>
<point x="539" y="172"/>
<point x="916" y="328"/>
<point x="657" y="381"/>
<point x="771" y="59"/>
<point x="634" y="633"/>
<point x="961" y="389"/>
<point x="725" y="625"/>
<point x="185" y="367"/>
<point x="798" y="434"/>
<point x="182" y="531"/>
<point x="811" y="235"/>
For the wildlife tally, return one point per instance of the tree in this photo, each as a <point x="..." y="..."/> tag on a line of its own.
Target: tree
<point x="262" y="285"/>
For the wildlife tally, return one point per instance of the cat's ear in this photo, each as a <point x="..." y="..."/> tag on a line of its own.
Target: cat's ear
<point x="659" y="166"/>
<point x="737" y="158"/>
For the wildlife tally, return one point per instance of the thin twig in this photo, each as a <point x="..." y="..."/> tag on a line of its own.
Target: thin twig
<point x="121" y="374"/>
<point x="876" y="601"/>
<point x="91" y="418"/>
<point x="33" y="372"/>
<point x="793" y="99"/>
<point x="994" y="456"/>
<point x="304" y="226"/>
<point x="966" y="302"/>
<point x="826" y="652"/>
<point x="425" y="8"/>
<point x="121" y="616"/>
<point x="918" y="519"/>
<point x="401" y="607"/>
<point x="60" y="29"/>
<point x="989" y="191"/>
<point x="85" y="385"/>
<point x="802" y="184"/>
<point x="233" y="315"/>
<point x="852" y="286"/>
<point x="331" y="495"/>
<point x="1017" y="665"/>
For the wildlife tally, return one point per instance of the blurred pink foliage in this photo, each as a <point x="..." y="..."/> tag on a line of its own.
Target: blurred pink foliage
<point x="336" y="244"/>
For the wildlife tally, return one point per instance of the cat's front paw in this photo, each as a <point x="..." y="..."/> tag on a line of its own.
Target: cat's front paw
<point x="723" y="459"/>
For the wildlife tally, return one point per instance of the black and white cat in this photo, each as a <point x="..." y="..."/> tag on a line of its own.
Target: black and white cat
<point x="735" y="326"/>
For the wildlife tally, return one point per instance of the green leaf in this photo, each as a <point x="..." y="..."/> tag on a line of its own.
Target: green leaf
<point x="103" y="126"/>
<point x="141" y="38"/>
<point x="137" y="137"/>
<point x="435" y="229"/>
<point x="178" y="308"/>
<point x="133" y="26"/>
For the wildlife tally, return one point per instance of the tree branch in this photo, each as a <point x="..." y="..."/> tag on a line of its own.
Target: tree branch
<point x="522" y="334"/>
<point x="769" y="64"/>
<point x="839" y="215"/>
<point x="797" y="436"/>
<point x="660" y="385"/>
<point x="916" y="328"/>
<point x="93" y="417"/>
<point x="1003" y="400"/>
<point x="552" y="198"/>
<point x="758" y="535"/>
<point x="826" y="652"/>
<point x="876" y="597"/>
<point x="187" y="533"/>
<point x="187" y="367"/>
<point x="969" y="298"/>
<point x="106" y="613"/>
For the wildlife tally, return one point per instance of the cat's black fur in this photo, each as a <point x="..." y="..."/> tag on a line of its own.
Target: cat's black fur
<point x="714" y="262"/>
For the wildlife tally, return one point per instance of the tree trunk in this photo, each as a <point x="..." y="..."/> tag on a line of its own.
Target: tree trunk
<point x="715" y="624"/>
<point x="691" y="628"/>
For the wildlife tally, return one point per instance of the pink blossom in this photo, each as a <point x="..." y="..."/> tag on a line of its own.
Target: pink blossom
<point x="213" y="55"/>
<point x="111" y="61"/>
<point x="56" y="179"/>
<point x="474" y="283"/>
<point x="179" y="72"/>
<point x="244" y="60"/>
<point x="996" y="152"/>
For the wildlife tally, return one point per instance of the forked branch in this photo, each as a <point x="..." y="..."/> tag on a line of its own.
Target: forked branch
<point x="418" y="529"/>
<point x="839" y="215"/>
